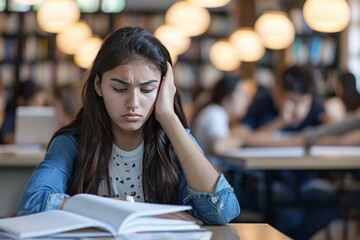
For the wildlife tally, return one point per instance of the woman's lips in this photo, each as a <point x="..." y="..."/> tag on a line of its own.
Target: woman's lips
<point x="132" y="117"/>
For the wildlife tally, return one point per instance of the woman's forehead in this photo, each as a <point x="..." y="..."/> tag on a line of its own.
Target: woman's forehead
<point x="133" y="72"/>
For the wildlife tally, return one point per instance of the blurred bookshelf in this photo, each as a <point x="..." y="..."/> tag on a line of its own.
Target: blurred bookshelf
<point x="27" y="52"/>
<point x="320" y="51"/>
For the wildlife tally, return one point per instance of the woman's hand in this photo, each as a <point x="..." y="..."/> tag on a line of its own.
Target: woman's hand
<point x="165" y="99"/>
<point x="65" y="200"/>
<point x="181" y="216"/>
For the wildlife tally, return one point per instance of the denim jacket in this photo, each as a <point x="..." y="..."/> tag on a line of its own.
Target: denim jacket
<point x="47" y="187"/>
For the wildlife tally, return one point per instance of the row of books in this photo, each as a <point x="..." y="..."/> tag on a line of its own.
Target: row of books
<point x="314" y="50"/>
<point x="45" y="72"/>
<point x="34" y="49"/>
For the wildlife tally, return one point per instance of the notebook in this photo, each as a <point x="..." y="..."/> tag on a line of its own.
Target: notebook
<point x="35" y="125"/>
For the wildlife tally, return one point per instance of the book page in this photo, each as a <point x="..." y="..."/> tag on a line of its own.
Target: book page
<point x="270" y="152"/>
<point x="188" y="235"/>
<point x="143" y="224"/>
<point x="334" y="151"/>
<point x="47" y="223"/>
<point x="117" y="213"/>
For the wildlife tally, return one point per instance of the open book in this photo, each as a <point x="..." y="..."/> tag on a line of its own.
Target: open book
<point x="82" y="211"/>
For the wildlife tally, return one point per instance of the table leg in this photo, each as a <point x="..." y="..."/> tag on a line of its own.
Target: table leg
<point x="269" y="205"/>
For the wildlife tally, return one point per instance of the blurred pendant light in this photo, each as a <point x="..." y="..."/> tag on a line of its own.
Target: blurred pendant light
<point x="86" y="52"/>
<point x="55" y="15"/>
<point x="90" y="6"/>
<point x="113" y="6"/>
<point x="209" y="3"/>
<point x="173" y="55"/>
<point x="191" y="19"/>
<point x="248" y="44"/>
<point x="327" y="15"/>
<point x="28" y="2"/>
<point x="71" y="37"/>
<point x="275" y="30"/>
<point x="173" y="38"/>
<point x="223" y="56"/>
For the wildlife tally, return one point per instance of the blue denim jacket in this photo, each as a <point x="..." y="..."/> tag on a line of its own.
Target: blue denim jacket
<point x="47" y="187"/>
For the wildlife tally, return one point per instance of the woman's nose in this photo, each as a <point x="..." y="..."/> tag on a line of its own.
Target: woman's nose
<point x="133" y="101"/>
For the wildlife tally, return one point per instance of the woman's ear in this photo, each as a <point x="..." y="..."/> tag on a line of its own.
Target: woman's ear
<point x="97" y="85"/>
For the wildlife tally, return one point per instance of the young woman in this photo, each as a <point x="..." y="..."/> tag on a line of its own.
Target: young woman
<point x="130" y="138"/>
<point x="216" y="124"/>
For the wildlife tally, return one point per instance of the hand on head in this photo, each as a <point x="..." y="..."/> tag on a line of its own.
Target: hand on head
<point x="165" y="99"/>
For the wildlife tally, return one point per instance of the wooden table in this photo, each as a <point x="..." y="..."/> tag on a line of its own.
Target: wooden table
<point x="17" y="165"/>
<point x="316" y="158"/>
<point x="323" y="158"/>
<point x="245" y="231"/>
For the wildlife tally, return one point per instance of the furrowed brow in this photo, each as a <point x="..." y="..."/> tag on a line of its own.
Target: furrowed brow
<point x="127" y="83"/>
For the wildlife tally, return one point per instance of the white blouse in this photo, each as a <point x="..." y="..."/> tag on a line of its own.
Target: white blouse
<point x="125" y="172"/>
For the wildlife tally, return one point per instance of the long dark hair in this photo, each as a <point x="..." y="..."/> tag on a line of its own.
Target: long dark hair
<point x="92" y="126"/>
<point x="299" y="79"/>
<point x="350" y="95"/>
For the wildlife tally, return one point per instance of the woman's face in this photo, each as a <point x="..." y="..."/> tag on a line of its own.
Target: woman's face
<point x="241" y="98"/>
<point x="129" y="92"/>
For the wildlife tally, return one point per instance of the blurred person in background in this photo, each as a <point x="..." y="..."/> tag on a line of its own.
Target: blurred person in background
<point x="278" y="118"/>
<point x="344" y="100"/>
<point x="344" y="132"/>
<point x="216" y="124"/>
<point x="344" y="128"/>
<point x="346" y="89"/>
<point x="27" y="93"/>
<point x="67" y="102"/>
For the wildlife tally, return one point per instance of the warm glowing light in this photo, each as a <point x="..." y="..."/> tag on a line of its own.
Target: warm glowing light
<point x="275" y="30"/>
<point x="86" y="52"/>
<point x="113" y="6"/>
<point x="327" y="15"/>
<point x="248" y="44"/>
<point x="209" y="3"/>
<point x="191" y="19"/>
<point x="69" y="39"/>
<point x="174" y="38"/>
<point x="55" y="15"/>
<point x="223" y="56"/>
<point x="88" y="5"/>
<point x="173" y="55"/>
<point x="28" y="2"/>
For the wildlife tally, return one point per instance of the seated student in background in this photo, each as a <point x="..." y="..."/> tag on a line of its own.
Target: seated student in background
<point x="277" y="116"/>
<point x="67" y="102"/>
<point x="275" y="119"/>
<point x="345" y="99"/>
<point x="347" y="90"/>
<point x="27" y="93"/>
<point x="344" y="132"/>
<point x="346" y="129"/>
<point x="216" y="124"/>
<point x="131" y="138"/>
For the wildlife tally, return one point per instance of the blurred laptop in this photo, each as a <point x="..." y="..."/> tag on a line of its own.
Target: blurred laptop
<point x="35" y="125"/>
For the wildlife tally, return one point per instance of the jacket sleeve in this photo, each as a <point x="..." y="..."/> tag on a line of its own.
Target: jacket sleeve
<point x="47" y="186"/>
<point x="216" y="208"/>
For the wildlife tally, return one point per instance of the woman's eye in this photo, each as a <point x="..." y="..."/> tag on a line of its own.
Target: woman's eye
<point x="147" y="90"/>
<point x="120" y="90"/>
